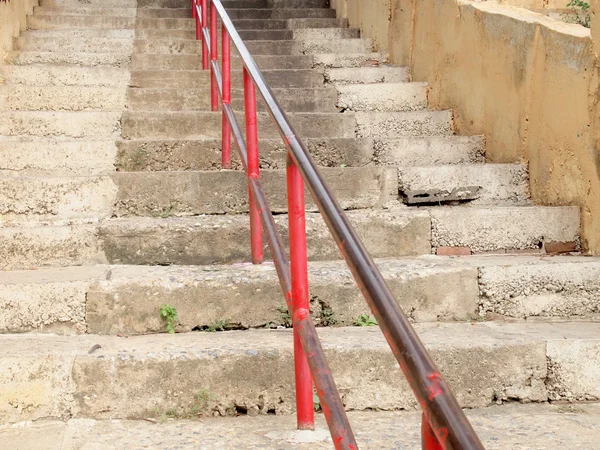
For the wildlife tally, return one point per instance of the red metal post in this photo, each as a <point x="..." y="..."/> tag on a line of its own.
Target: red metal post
<point x="225" y="127"/>
<point x="204" y="44"/>
<point x="299" y="271"/>
<point x="214" y="53"/>
<point x="428" y="439"/>
<point x="253" y="171"/>
<point x="194" y="15"/>
<point x="199" y="37"/>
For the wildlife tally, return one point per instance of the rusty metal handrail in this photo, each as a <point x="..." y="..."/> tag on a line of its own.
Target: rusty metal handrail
<point x="444" y="424"/>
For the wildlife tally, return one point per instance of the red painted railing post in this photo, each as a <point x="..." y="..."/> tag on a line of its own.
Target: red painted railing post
<point x="253" y="171"/>
<point x="428" y="439"/>
<point x="194" y="16"/>
<point x="226" y="97"/>
<point x="204" y="12"/>
<point x="214" y="53"/>
<point x="299" y="271"/>
<point x="199" y="37"/>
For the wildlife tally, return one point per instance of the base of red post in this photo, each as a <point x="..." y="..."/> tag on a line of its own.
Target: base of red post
<point x="428" y="439"/>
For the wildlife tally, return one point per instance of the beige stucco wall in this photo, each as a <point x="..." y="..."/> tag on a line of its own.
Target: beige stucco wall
<point x="12" y="21"/>
<point x="527" y="82"/>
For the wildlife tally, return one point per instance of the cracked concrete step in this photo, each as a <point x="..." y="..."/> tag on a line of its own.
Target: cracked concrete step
<point x="45" y="22"/>
<point x="476" y="183"/>
<point x="367" y="75"/>
<point x="81" y="59"/>
<point x="82" y="124"/>
<point x="207" y="125"/>
<point x="193" y="79"/>
<point x="291" y="100"/>
<point x="80" y="33"/>
<point x="382" y="97"/>
<point x="403" y="124"/>
<point x="244" y="13"/>
<point x="125" y="300"/>
<point x="240" y="24"/>
<point x="168" y="154"/>
<point x="157" y="194"/>
<point x="348" y="60"/>
<point x="56" y="157"/>
<point x="56" y="76"/>
<point x="148" y="61"/>
<point x="337" y="46"/>
<point x="68" y="44"/>
<point x="189" y="46"/>
<point x="325" y="34"/>
<point x="484" y="363"/>
<point x="82" y="10"/>
<point x="62" y="98"/>
<point x="246" y="35"/>
<point x="499" y="428"/>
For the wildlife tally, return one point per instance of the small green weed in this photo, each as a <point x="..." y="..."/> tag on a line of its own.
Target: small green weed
<point x="316" y="403"/>
<point x="365" y="320"/>
<point x="581" y="10"/>
<point x="168" y="314"/>
<point x="219" y="325"/>
<point x="286" y="317"/>
<point x="327" y="318"/>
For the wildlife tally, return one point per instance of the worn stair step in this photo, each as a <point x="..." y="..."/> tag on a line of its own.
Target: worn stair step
<point x="188" y="125"/>
<point x="84" y="45"/>
<point x="280" y="13"/>
<point x="189" y="46"/>
<point x="147" y="61"/>
<point x="44" y="22"/>
<point x="325" y="34"/>
<point x="233" y="4"/>
<point x="348" y="60"/>
<point x="473" y="183"/>
<point x="168" y="154"/>
<point x="61" y="98"/>
<point x="246" y="35"/>
<point x="291" y="100"/>
<point x="403" y="124"/>
<point x="46" y="75"/>
<point x="125" y="300"/>
<point x="382" y="97"/>
<point x="78" y="59"/>
<point x="31" y="244"/>
<point x="336" y="46"/>
<point x="48" y="124"/>
<point x="504" y="227"/>
<point x="210" y="192"/>
<point x="222" y="239"/>
<point x="367" y="75"/>
<point x="56" y="157"/>
<point x="135" y="377"/>
<point x="85" y="11"/>
<point x="566" y="426"/>
<point x="189" y="24"/>
<point x="98" y="3"/>
<point x="192" y="79"/>
<point x="80" y="33"/>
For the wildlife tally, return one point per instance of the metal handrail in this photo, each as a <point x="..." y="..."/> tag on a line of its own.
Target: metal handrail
<point x="444" y="423"/>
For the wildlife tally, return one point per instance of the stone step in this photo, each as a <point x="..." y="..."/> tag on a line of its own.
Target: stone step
<point x="240" y="24"/>
<point x="44" y="22"/>
<point x="56" y="76"/>
<point x="291" y="100"/>
<point x="112" y="11"/>
<point x="172" y="194"/>
<point x="403" y="124"/>
<point x="382" y="97"/>
<point x="68" y="44"/>
<point x="207" y="125"/>
<point x="98" y="3"/>
<point x="62" y="98"/>
<point x="566" y="426"/>
<point x="189" y="46"/>
<point x="476" y="183"/>
<point x="348" y="60"/>
<point x="234" y="4"/>
<point x="49" y="124"/>
<point x="367" y="75"/>
<point x="351" y="46"/>
<point x="159" y="155"/>
<point x="246" y="35"/>
<point x="219" y="373"/>
<point x="325" y="34"/>
<point x="126" y="300"/>
<point x="243" y="13"/>
<point x="65" y="58"/>
<point x="56" y="157"/>
<point x="148" y="61"/>
<point x="193" y="79"/>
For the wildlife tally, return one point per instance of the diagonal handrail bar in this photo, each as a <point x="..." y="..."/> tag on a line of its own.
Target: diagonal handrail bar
<point x="443" y="419"/>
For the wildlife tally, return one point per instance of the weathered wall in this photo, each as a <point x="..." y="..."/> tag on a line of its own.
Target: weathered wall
<point x="12" y="21"/>
<point x="527" y="82"/>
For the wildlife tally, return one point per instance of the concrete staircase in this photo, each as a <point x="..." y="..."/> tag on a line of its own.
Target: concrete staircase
<point x="112" y="204"/>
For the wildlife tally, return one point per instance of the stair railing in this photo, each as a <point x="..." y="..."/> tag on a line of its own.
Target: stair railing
<point x="444" y="425"/>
